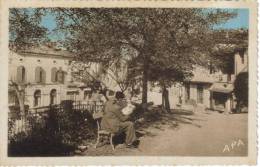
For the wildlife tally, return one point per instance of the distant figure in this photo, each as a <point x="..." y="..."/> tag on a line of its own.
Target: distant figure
<point x="115" y="121"/>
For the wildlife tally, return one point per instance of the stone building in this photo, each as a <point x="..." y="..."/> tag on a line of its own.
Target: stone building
<point x="45" y="74"/>
<point x="210" y="90"/>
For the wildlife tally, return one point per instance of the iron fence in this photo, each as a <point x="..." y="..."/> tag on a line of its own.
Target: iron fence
<point x="23" y="124"/>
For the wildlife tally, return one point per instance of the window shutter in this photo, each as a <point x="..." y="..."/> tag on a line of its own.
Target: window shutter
<point x="54" y="74"/>
<point x="37" y="74"/>
<point x="25" y="75"/>
<point x="43" y="76"/>
<point x="60" y="76"/>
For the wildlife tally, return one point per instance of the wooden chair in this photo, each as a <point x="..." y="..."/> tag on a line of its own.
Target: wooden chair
<point x="97" y="115"/>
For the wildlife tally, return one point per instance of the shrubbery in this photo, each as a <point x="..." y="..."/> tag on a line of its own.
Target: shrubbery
<point x="58" y="135"/>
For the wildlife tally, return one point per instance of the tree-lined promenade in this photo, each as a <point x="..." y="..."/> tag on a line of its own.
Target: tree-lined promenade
<point x="161" y="46"/>
<point x="135" y="47"/>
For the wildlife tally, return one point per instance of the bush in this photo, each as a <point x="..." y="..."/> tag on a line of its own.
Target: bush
<point x="58" y="135"/>
<point x="38" y="143"/>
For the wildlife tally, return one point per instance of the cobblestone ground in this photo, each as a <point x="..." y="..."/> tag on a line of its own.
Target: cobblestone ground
<point x="188" y="134"/>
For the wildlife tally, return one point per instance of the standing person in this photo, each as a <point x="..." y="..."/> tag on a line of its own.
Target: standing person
<point x="114" y="120"/>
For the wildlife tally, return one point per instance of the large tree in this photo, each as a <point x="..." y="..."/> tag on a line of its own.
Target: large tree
<point x="170" y="39"/>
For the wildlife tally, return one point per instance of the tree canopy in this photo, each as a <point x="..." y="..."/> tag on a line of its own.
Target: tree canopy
<point x="168" y="42"/>
<point x="161" y="45"/>
<point x="25" y="29"/>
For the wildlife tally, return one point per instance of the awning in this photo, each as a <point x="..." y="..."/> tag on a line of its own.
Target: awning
<point x="222" y="87"/>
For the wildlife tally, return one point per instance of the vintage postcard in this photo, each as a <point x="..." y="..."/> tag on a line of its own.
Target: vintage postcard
<point x="128" y="82"/>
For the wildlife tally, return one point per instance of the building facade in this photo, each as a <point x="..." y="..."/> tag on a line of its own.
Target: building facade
<point x="210" y="90"/>
<point x="49" y="75"/>
<point x="44" y="73"/>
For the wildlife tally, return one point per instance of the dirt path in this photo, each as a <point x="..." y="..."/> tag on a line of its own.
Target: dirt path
<point x="186" y="134"/>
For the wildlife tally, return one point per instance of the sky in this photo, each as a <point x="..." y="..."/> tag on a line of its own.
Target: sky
<point x="240" y="21"/>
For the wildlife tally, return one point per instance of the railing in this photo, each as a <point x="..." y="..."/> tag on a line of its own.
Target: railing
<point x="18" y="124"/>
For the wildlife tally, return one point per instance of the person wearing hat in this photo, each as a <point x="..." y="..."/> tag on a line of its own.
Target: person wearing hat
<point x="115" y="121"/>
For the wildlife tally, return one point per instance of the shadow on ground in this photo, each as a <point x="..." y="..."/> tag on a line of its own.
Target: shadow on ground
<point x="154" y="120"/>
<point x="172" y="120"/>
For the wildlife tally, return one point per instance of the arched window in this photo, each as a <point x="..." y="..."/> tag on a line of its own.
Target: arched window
<point x="40" y="75"/>
<point x="53" y="97"/>
<point x="37" y="98"/>
<point x="54" y="74"/>
<point x="21" y="74"/>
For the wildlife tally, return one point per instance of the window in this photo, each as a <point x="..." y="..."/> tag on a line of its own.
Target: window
<point x="21" y="74"/>
<point x="37" y="98"/>
<point x="53" y="97"/>
<point x="72" y="95"/>
<point x="200" y="94"/>
<point x="60" y="76"/>
<point x="40" y="75"/>
<point x="187" y="92"/>
<point x="54" y="74"/>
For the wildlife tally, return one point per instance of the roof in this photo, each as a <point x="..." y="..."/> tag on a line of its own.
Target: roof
<point x="47" y="50"/>
<point x="228" y="49"/>
<point x="202" y="75"/>
<point x="222" y="87"/>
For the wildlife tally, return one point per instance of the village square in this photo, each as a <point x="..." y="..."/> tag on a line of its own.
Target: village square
<point x="182" y="73"/>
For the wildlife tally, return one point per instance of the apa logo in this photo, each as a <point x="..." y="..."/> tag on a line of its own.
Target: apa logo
<point x="233" y="145"/>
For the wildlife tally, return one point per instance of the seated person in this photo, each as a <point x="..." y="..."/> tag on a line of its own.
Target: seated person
<point x="115" y="121"/>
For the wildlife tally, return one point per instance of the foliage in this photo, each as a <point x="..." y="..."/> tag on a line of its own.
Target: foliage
<point x="171" y="39"/>
<point x="74" y="126"/>
<point x="57" y="134"/>
<point x="241" y="89"/>
<point x="24" y="28"/>
<point x="227" y="42"/>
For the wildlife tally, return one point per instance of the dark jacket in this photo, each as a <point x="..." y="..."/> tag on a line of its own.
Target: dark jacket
<point x="113" y="115"/>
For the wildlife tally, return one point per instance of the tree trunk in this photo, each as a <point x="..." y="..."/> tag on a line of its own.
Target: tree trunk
<point x="21" y="103"/>
<point x="165" y="100"/>
<point x="145" y="82"/>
